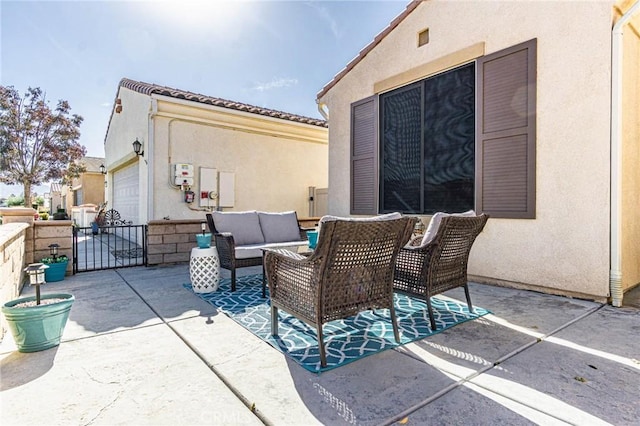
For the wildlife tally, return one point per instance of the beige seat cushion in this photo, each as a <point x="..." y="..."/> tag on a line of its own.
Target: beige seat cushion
<point x="434" y="224"/>
<point x="388" y="216"/>
<point x="256" y="250"/>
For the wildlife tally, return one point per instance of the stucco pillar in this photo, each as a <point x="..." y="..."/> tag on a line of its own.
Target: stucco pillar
<point x="21" y="215"/>
<point x="17" y="214"/>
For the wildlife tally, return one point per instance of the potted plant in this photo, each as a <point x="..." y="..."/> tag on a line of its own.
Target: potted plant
<point x="36" y="322"/>
<point x="204" y="239"/>
<point x="98" y="220"/>
<point x="61" y="214"/>
<point x="57" y="265"/>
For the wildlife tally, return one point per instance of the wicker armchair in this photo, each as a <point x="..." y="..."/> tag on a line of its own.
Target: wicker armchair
<point x="351" y="270"/>
<point x="440" y="265"/>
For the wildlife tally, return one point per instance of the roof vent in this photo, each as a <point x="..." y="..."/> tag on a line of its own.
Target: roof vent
<point x="423" y="37"/>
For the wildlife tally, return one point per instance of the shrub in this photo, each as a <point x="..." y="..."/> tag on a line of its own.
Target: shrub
<point x="59" y="259"/>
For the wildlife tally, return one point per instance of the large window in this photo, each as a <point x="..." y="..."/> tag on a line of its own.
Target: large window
<point x="427" y="143"/>
<point x="462" y="139"/>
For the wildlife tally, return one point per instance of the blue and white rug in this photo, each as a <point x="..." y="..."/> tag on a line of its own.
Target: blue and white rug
<point x="345" y="340"/>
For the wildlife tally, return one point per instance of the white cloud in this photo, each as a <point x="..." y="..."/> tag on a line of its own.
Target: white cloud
<point x="324" y="14"/>
<point x="276" y="84"/>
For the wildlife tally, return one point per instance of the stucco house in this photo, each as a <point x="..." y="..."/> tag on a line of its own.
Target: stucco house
<point x="86" y="189"/>
<point x="196" y="153"/>
<point x="528" y="111"/>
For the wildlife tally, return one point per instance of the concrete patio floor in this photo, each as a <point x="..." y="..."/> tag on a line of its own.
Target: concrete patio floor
<point x="140" y="349"/>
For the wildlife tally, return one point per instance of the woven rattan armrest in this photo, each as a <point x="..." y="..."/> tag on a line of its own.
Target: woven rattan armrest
<point x="294" y="276"/>
<point x="225" y="245"/>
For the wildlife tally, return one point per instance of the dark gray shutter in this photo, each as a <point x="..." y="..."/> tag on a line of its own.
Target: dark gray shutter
<point x="505" y="133"/>
<point x="364" y="156"/>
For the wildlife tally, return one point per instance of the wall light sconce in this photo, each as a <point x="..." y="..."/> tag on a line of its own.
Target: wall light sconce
<point x="103" y="169"/>
<point x="137" y="147"/>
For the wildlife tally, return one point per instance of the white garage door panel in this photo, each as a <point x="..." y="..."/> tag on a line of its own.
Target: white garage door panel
<point x="126" y="193"/>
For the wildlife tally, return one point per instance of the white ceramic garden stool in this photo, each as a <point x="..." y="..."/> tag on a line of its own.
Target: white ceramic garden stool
<point x="204" y="269"/>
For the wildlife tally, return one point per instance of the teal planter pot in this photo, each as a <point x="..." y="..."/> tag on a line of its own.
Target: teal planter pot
<point x="55" y="272"/>
<point x="39" y="327"/>
<point x="312" y="236"/>
<point x="203" y="240"/>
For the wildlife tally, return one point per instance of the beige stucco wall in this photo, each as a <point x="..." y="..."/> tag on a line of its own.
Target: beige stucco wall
<point x="631" y="156"/>
<point x="566" y="248"/>
<point x="13" y="238"/>
<point x="131" y="123"/>
<point x="92" y="188"/>
<point x="274" y="161"/>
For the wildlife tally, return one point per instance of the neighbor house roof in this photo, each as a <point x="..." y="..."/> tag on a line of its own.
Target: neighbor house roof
<point x="368" y="48"/>
<point x="55" y="187"/>
<point x="92" y="163"/>
<point x="149" y="89"/>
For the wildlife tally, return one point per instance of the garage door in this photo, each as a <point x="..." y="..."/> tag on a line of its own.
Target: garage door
<point x="126" y="193"/>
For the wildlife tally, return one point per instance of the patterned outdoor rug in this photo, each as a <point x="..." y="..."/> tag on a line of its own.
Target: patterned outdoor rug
<point x="345" y="340"/>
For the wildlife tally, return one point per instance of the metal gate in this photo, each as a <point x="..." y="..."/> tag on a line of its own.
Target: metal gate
<point x="108" y="247"/>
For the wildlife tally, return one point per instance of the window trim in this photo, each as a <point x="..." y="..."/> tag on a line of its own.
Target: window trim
<point x="480" y="204"/>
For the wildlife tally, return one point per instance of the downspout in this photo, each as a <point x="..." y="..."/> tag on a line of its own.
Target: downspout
<point x="615" y="273"/>
<point x="150" y="150"/>
<point x="322" y="109"/>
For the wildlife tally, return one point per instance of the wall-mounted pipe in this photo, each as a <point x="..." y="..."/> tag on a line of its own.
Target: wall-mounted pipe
<point x="615" y="271"/>
<point x="322" y="108"/>
<point x="150" y="150"/>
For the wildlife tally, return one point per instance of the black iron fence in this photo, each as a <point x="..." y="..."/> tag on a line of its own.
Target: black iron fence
<point x="109" y="247"/>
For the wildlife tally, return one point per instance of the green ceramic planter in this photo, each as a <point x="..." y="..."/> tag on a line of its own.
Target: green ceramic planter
<point x="37" y="328"/>
<point x="55" y="272"/>
<point x="203" y="240"/>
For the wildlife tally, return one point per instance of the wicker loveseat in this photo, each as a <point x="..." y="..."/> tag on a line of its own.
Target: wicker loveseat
<point x="351" y="270"/>
<point x="240" y="237"/>
<point x="438" y="262"/>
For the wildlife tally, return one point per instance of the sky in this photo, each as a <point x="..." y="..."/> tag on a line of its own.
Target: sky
<point x="272" y="54"/>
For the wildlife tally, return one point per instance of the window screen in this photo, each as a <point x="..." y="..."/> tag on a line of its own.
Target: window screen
<point x="427" y="145"/>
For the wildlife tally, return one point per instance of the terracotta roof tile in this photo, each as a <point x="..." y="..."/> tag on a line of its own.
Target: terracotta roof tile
<point x="149" y="89"/>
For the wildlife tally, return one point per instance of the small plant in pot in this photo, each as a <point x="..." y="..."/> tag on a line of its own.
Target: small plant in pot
<point x="204" y="239"/>
<point x="37" y="322"/>
<point x="57" y="265"/>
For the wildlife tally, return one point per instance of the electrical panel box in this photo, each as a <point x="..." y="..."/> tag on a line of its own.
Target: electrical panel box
<point x="227" y="194"/>
<point x="183" y="170"/>
<point x="208" y="187"/>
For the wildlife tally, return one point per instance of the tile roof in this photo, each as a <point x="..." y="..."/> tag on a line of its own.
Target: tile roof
<point x="368" y="48"/>
<point x="55" y="187"/>
<point x="92" y="163"/>
<point x="149" y="89"/>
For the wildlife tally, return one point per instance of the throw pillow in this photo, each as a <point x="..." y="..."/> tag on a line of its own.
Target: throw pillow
<point x="245" y="226"/>
<point x="279" y="227"/>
